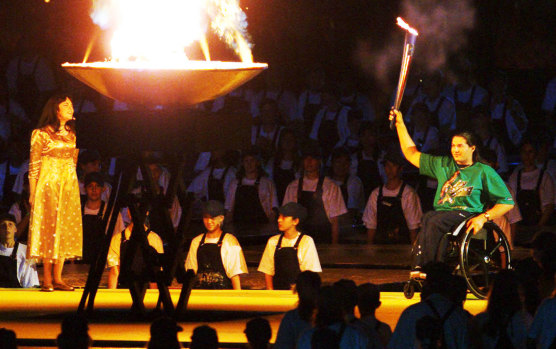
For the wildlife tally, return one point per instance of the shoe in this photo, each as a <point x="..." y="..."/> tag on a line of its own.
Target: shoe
<point x="62" y="287"/>
<point x="47" y="288"/>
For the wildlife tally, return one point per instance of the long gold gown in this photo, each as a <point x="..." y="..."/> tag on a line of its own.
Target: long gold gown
<point x="55" y="228"/>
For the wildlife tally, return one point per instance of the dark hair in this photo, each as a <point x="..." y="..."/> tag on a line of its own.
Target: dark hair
<point x="472" y="140"/>
<point x="503" y="302"/>
<point x="307" y="287"/>
<point x="329" y="307"/>
<point x="254" y="152"/>
<point x="49" y="115"/>
<point x="258" y="332"/>
<point x="280" y="154"/>
<point x="8" y="339"/>
<point x="368" y="298"/>
<point x="75" y="333"/>
<point x="325" y="338"/>
<point x="204" y="337"/>
<point x="348" y="292"/>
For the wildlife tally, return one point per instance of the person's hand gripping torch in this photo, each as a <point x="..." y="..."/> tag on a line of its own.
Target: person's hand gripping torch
<point x="408" y="50"/>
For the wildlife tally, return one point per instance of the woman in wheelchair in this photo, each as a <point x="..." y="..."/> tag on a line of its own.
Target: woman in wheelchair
<point x="465" y="188"/>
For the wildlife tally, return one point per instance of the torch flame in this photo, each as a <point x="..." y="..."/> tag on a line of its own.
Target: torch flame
<point x="406" y="26"/>
<point x="161" y="30"/>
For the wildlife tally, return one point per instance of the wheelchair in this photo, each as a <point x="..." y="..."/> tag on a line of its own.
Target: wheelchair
<point x="477" y="257"/>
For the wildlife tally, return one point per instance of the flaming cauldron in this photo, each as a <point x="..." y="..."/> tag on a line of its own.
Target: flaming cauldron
<point x="170" y="85"/>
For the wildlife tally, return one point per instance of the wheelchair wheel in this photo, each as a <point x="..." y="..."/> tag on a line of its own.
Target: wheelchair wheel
<point x="482" y="256"/>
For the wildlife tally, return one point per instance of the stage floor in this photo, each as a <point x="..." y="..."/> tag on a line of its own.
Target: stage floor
<point x="36" y="316"/>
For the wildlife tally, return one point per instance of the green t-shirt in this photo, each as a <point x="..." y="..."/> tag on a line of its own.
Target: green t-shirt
<point x="467" y="189"/>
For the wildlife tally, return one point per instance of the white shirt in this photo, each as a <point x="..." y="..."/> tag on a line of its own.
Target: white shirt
<point x="362" y="103"/>
<point x="231" y="253"/>
<point x="26" y="269"/>
<point x="306" y="254"/>
<point x="446" y="113"/>
<point x="515" y="133"/>
<point x="272" y="136"/>
<point x="341" y="122"/>
<point x="356" y="192"/>
<point x="22" y="172"/>
<point x="334" y="204"/>
<point x="411" y="206"/>
<point x="199" y="185"/>
<point x="549" y="102"/>
<point x="267" y="194"/>
<point x="495" y="145"/>
<point x="287" y="103"/>
<point x="307" y="97"/>
<point x="529" y="182"/>
<point x="113" y="258"/>
<point x="464" y="96"/>
<point x="118" y="228"/>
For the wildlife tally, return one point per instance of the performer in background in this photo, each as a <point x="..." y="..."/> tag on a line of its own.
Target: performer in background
<point x="288" y="254"/>
<point x="55" y="231"/>
<point x="216" y="257"/>
<point x="463" y="186"/>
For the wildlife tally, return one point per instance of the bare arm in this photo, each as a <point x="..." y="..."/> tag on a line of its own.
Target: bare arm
<point x="113" y="274"/>
<point x="409" y="148"/>
<point x="476" y="223"/>
<point x="268" y="279"/>
<point x="236" y="284"/>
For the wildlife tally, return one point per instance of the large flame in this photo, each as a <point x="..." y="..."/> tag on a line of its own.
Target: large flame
<point x="161" y="30"/>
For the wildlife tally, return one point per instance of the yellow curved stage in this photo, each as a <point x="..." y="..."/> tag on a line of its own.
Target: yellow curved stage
<point x="37" y="315"/>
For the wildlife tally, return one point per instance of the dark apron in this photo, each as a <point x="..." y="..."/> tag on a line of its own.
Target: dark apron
<point x="328" y="133"/>
<point x="247" y="206"/>
<point x="344" y="190"/>
<point x="529" y="201"/>
<point x="137" y="270"/>
<point x="501" y="130"/>
<point x="282" y="178"/>
<point x="216" y="186"/>
<point x="93" y="234"/>
<point x="211" y="273"/>
<point x="8" y="270"/>
<point x="24" y="234"/>
<point x="317" y="224"/>
<point x="309" y="113"/>
<point x="367" y="171"/>
<point x="391" y="224"/>
<point x="286" y="265"/>
<point x="464" y="110"/>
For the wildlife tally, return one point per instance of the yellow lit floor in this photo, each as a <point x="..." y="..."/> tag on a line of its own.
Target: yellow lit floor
<point x="37" y="315"/>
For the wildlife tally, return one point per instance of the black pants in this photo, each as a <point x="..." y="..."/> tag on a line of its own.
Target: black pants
<point x="434" y="226"/>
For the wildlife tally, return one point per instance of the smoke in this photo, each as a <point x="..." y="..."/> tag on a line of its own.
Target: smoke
<point x="443" y="27"/>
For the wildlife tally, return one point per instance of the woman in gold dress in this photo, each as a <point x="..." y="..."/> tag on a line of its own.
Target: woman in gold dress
<point x="55" y="230"/>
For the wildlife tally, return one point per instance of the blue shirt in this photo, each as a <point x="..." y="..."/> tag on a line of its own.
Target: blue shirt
<point x="291" y="328"/>
<point x="543" y="329"/>
<point x="352" y="338"/>
<point x="455" y="327"/>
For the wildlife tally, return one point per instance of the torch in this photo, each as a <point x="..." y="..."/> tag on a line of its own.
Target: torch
<point x="408" y="50"/>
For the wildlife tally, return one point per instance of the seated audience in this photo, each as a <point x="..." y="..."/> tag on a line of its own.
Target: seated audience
<point x="331" y="316"/>
<point x="435" y="306"/>
<point x="330" y="127"/>
<point x="393" y="212"/>
<point x="425" y="132"/>
<point x="258" y="333"/>
<point x="288" y="254"/>
<point x="505" y="323"/>
<point x="283" y="168"/>
<point x="543" y="251"/>
<point x="297" y="321"/>
<point x="8" y="339"/>
<point x="164" y="334"/>
<point x="21" y="210"/>
<point x="15" y="270"/>
<point x="89" y="161"/>
<point x="490" y="142"/>
<point x="368" y="301"/>
<point x="251" y="199"/>
<point x="75" y="333"/>
<point x="542" y="333"/>
<point x="266" y="134"/>
<point x="365" y="163"/>
<point x="204" y="337"/>
<point x="215" y="256"/>
<point x="320" y="195"/>
<point x="120" y="245"/>
<point x="350" y="185"/>
<point x="534" y="188"/>
<point x="93" y="210"/>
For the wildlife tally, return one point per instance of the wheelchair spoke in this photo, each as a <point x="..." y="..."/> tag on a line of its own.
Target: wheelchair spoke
<point x="496" y="248"/>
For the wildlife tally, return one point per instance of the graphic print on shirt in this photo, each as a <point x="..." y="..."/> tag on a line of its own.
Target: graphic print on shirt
<point x="452" y="189"/>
